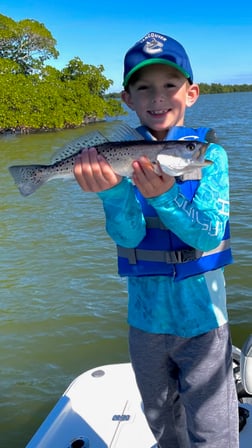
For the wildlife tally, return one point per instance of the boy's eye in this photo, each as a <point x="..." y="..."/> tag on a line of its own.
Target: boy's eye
<point x="142" y="87"/>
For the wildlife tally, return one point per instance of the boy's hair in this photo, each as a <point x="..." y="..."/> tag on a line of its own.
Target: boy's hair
<point x="156" y="48"/>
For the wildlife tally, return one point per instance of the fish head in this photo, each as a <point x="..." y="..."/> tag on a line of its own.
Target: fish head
<point x="185" y="156"/>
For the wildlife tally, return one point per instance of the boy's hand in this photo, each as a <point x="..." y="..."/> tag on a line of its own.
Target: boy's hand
<point x="93" y="173"/>
<point x="147" y="181"/>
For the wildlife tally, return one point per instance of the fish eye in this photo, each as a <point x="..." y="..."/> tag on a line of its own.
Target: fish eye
<point x="190" y="146"/>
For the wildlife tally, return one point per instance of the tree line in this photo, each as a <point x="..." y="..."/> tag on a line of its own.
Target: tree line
<point x="226" y="88"/>
<point x="34" y="95"/>
<point x="210" y="88"/>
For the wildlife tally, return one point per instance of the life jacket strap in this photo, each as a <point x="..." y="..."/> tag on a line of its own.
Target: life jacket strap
<point x="154" y="222"/>
<point x="169" y="257"/>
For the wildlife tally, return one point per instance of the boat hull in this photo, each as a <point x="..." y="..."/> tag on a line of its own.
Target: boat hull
<point x="102" y="408"/>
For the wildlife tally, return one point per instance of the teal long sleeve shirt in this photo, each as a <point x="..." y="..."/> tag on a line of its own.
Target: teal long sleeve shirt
<point x="157" y="304"/>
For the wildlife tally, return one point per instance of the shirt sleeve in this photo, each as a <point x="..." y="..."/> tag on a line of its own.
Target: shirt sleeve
<point x="200" y="222"/>
<point x="125" y="222"/>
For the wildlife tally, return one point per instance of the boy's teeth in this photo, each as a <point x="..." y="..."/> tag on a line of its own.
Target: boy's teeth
<point x="157" y="112"/>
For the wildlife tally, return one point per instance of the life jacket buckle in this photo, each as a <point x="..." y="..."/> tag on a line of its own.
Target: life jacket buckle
<point x="182" y="256"/>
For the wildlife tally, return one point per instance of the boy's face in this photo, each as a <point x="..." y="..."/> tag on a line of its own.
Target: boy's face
<point x="159" y="95"/>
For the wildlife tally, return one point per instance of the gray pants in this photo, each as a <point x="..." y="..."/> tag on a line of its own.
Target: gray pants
<point x="187" y="388"/>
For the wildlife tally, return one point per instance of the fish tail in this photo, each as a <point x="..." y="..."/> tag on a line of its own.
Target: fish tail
<point x="28" y="178"/>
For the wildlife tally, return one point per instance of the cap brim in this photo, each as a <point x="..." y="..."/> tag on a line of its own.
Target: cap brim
<point x="155" y="61"/>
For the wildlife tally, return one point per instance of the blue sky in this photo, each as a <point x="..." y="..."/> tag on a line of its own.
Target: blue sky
<point x="217" y="35"/>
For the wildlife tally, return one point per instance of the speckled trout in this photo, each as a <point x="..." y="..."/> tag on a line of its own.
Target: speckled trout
<point x="126" y="145"/>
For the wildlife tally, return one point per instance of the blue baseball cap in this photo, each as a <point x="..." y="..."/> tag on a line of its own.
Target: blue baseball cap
<point x="156" y="48"/>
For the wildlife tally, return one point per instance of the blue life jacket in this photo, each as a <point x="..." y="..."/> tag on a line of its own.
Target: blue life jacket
<point x="161" y="252"/>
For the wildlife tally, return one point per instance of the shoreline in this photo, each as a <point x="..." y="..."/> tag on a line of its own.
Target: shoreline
<point x="19" y="130"/>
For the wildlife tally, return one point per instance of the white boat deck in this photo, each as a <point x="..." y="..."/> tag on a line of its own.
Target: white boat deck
<point x="102" y="409"/>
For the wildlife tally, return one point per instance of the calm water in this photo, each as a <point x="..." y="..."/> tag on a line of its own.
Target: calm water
<point x="62" y="306"/>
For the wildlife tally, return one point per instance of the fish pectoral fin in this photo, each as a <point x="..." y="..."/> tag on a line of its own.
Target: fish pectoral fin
<point x="157" y="168"/>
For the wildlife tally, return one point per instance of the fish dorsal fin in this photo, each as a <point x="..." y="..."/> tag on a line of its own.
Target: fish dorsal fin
<point x="74" y="146"/>
<point x="119" y="133"/>
<point x="123" y="132"/>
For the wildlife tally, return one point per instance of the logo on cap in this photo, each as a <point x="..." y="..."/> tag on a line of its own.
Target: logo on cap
<point x="153" y="46"/>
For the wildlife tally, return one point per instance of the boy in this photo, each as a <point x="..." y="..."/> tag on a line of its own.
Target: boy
<point x="172" y="240"/>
